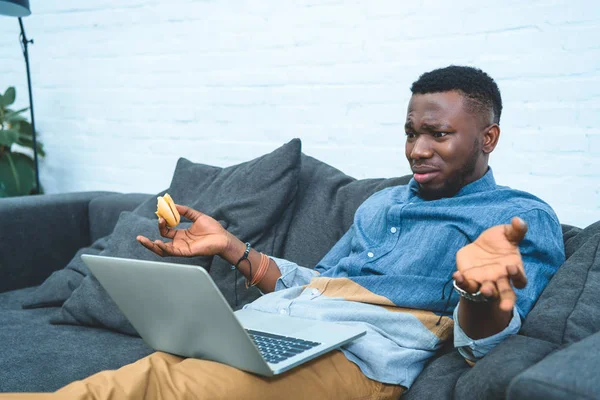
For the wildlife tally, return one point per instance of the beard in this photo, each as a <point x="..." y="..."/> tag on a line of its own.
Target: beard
<point x="458" y="180"/>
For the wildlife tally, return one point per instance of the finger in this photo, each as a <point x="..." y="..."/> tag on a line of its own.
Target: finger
<point x="147" y="243"/>
<point x="516" y="230"/>
<point x="188" y="212"/>
<point x="162" y="247"/>
<point x="465" y="284"/>
<point x="167" y="248"/>
<point x="143" y="240"/>
<point x="488" y="289"/>
<point x="506" y="294"/>
<point x="164" y="230"/>
<point x="458" y="277"/>
<point x="516" y="273"/>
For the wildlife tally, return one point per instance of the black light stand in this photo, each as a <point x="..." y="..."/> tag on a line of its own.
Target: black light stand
<point x="24" y="43"/>
<point x="20" y="8"/>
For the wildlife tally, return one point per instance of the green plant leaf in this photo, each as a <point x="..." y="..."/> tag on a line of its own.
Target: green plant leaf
<point x="17" y="174"/>
<point x="8" y="137"/>
<point x="15" y="119"/>
<point x="24" y="127"/>
<point x="27" y="141"/>
<point x="9" y="96"/>
<point x="15" y="116"/>
<point x="26" y="137"/>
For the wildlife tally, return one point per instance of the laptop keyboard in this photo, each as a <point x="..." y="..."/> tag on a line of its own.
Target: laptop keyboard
<point x="277" y="348"/>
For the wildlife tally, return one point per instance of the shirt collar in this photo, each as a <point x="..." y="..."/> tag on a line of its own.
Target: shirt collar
<point x="485" y="183"/>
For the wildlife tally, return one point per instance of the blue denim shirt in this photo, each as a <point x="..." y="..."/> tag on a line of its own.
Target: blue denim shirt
<point x="389" y="274"/>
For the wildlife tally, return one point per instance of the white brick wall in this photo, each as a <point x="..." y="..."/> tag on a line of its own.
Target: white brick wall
<point x="124" y="88"/>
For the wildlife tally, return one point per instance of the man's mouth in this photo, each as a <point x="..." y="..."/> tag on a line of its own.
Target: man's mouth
<point x="424" y="174"/>
<point x="425" y="178"/>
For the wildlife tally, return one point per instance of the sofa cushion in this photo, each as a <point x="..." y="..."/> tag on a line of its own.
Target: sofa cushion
<point x="249" y="199"/>
<point x="569" y="310"/>
<point x="40" y="357"/>
<point x="438" y="378"/>
<point x="571" y="373"/>
<point x="13" y="300"/>
<point x="324" y="209"/>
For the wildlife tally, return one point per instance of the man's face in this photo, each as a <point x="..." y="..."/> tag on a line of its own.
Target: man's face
<point x="444" y="144"/>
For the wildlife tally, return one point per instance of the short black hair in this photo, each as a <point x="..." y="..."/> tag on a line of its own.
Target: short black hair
<point x="480" y="90"/>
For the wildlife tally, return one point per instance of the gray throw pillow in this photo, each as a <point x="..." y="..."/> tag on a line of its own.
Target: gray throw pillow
<point x="103" y="213"/>
<point x="89" y="304"/>
<point x="58" y="287"/>
<point x="567" y="310"/>
<point x="324" y="209"/>
<point x="252" y="200"/>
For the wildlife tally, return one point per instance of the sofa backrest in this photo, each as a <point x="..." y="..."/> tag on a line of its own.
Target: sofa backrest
<point x="104" y="211"/>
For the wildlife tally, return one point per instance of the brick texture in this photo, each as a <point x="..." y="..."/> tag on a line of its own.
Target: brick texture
<point x="122" y="89"/>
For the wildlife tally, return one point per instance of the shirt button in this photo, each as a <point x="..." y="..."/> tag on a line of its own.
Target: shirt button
<point x="370" y="254"/>
<point x="283" y="311"/>
<point x="393" y="230"/>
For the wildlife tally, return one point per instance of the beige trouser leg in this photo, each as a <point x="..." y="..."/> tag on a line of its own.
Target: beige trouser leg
<point x="164" y="376"/>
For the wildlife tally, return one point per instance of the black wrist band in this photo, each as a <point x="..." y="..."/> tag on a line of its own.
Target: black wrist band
<point x="245" y="256"/>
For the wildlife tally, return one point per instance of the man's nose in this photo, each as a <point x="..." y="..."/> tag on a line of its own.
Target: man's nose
<point x="421" y="148"/>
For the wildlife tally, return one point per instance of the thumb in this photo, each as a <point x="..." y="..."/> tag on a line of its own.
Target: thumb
<point x="188" y="212"/>
<point x="516" y="230"/>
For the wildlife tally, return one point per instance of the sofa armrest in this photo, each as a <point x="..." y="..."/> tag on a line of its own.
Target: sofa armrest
<point x="571" y="373"/>
<point x="490" y="377"/>
<point x="40" y="234"/>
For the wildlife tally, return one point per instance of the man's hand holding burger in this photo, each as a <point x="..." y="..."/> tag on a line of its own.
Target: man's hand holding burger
<point x="205" y="237"/>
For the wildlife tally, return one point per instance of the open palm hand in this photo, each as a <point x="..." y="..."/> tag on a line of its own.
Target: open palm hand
<point x="205" y="237"/>
<point x="492" y="264"/>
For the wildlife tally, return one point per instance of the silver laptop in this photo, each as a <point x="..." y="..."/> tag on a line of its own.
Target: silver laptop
<point x="178" y="309"/>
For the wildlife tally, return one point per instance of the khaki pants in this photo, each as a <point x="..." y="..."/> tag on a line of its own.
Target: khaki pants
<point x="164" y="376"/>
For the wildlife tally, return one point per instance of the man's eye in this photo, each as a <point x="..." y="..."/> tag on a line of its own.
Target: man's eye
<point x="410" y="135"/>
<point x="440" y="134"/>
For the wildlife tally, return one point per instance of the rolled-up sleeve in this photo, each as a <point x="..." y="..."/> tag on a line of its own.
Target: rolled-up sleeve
<point x="292" y="274"/>
<point x="474" y="349"/>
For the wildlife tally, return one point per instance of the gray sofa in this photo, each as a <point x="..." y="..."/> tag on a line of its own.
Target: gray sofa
<point x="554" y="356"/>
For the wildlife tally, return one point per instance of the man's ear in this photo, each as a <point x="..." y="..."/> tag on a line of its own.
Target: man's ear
<point x="490" y="138"/>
